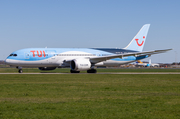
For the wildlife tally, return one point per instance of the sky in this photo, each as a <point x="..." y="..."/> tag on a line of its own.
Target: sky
<point x="90" y="24"/>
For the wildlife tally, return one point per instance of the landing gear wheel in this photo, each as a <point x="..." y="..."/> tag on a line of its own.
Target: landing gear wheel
<point x="20" y="71"/>
<point x="92" y="71"/>
<point x="74" y="71"/>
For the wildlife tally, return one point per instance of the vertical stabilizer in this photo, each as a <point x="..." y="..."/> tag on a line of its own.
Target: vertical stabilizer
<point x="138" y="41"/>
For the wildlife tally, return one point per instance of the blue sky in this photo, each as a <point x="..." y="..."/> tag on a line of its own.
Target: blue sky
<point x="93" y="23"/>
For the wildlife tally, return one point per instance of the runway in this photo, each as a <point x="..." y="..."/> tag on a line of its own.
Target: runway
<point x="100" y="73"/>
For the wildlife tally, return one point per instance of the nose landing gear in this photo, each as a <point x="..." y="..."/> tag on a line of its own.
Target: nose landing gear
<point x="20" y="69"/>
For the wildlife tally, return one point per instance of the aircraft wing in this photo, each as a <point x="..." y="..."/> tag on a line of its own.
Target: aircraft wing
<point x="104" y="58"/>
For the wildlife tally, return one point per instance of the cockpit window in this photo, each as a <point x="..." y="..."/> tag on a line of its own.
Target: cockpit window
<point x="13" y="55"/>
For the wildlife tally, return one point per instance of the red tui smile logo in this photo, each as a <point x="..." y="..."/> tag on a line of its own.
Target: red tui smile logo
<point x="141" y="43"/>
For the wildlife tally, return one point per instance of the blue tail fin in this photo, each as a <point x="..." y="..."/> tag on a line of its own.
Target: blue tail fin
<point x="138" y="41"/>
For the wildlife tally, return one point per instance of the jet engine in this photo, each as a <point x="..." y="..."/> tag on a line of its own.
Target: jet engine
<point x="47" y="68"/>
<point x="80" y="64"/>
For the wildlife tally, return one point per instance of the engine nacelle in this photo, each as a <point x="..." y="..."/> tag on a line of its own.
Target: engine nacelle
<point x="80" y="64"/>
<point x="47" y="68"/>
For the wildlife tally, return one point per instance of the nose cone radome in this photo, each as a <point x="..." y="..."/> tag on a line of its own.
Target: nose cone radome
<point x="11" y="62"/>
<point x="7" y="61"/>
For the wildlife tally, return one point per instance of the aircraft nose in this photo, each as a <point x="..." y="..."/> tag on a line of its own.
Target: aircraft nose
<point x="7" y="61"/>
<point x="10" y="62"/>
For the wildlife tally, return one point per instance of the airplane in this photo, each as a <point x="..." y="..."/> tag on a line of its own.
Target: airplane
<point x="139" y="63"/>
<point x="82" y="59"/>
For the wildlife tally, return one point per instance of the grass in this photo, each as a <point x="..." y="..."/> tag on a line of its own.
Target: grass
<point x="90" y="96"/>
<point x="67" y="70"/>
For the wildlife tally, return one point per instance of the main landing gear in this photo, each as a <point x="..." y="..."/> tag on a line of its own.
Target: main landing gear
<point x="92" y="71"/>
<point x="72" y="71"/>
<point x="88" y="71"/>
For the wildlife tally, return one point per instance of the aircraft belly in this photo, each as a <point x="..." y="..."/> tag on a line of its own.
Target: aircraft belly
<point x="115" y="63"/>
<point x="36" y="64"/>
<point x="40" y="63"/>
